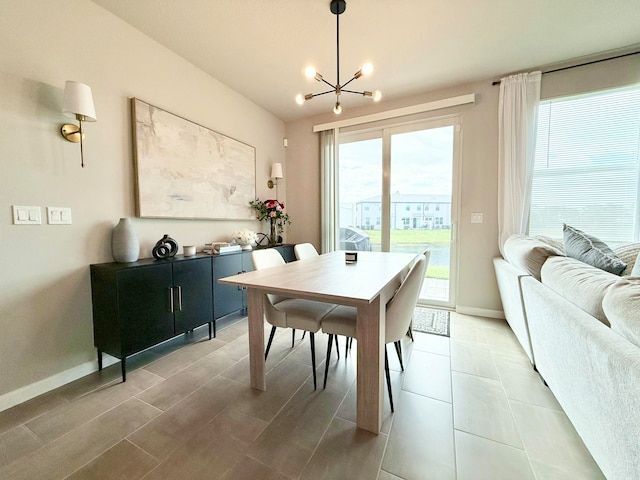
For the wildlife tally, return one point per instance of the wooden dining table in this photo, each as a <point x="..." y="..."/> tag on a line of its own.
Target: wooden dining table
<point x="368" y="284"/>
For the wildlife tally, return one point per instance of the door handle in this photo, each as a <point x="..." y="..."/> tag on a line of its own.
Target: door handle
<point x="179" y="298"/>
<point x="170" y="299"/>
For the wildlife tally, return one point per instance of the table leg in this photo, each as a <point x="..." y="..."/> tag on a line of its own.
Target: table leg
<point x="256" y="338"/>
<point x="370" y="335"/>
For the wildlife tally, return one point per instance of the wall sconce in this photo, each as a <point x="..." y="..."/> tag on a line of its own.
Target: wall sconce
<point x="276" y="173"/>
<point x="78" y="104"/>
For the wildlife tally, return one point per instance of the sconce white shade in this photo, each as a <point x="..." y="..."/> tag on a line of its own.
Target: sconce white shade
<point x="78" y="101"/>
<point x="276" y="170"/>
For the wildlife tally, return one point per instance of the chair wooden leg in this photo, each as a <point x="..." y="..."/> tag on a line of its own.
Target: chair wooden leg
<point x="293" y="337"/>
<point x="346" y="346"/>
<point x="326" y="363"/>
<point x="398" y="346"/>
<point x="313" y="357"/>
<point x="386" y="371"/>
<point x="273" y="332"/>
<point x="335" y="337"/>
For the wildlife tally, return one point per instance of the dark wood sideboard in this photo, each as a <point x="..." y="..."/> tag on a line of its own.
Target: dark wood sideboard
<point x="140" y="304"/>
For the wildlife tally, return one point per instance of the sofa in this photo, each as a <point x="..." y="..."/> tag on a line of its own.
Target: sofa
<point x="580" y="327"/>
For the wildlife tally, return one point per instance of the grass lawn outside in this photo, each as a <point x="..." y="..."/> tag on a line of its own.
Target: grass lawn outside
<point x="416" y="240"/>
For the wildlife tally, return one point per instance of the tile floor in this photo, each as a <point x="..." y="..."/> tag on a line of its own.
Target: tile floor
<point x="468" y="407"/>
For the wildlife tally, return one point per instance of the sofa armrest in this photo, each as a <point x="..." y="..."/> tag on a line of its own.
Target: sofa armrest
<point x="508" y="278"/>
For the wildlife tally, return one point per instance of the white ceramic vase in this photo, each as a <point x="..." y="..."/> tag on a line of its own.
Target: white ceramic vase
<point x="125" y="246"/>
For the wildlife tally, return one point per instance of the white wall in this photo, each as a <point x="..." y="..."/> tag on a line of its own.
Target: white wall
<point x="478" y="244"/>
<point x="45" y="295"/>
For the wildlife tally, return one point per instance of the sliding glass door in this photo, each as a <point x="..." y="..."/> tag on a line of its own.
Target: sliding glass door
<point x="396" y="192"/>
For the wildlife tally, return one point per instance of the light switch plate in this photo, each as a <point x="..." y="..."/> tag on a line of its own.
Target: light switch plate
<point x="24" y="215"/>
<point x="59" y="216"/>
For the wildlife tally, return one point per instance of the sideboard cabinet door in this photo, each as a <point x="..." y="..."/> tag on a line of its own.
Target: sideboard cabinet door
<point x="144" y="305"/>
<point x="193" y="297"/>
<point x="227" y="298"/>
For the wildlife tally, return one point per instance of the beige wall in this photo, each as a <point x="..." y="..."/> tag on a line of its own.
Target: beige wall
<point x="477" y="243"/>
<point x="45" y="296"/>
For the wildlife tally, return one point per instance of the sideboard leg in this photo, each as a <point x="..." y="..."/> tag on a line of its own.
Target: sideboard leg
<point x="123" y="365"/>
<point x="99" y="359"/>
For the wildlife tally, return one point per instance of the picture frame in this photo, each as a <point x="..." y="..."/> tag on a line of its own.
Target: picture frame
<point x="185" y="170"/>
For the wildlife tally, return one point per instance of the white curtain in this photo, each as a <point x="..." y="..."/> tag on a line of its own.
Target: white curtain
<point x="328" y="190"/>
<point x="518" y="118"/>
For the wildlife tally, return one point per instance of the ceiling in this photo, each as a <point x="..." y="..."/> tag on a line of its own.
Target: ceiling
<point x="260" y="47"/>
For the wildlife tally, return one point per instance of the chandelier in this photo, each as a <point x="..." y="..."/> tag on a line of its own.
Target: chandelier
<point x="338" y="7"/>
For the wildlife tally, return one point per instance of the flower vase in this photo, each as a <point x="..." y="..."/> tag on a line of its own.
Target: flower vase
<point x="273" y="236"/>
<point x="125" y="246"/>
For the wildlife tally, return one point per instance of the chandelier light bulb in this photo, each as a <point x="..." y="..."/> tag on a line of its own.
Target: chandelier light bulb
<point x="337" y="109"/>
<point x="367" y="69"/>
<point x="310" y="72"/>
<point x="299" y="99"/>
<point x="377" y="95"/>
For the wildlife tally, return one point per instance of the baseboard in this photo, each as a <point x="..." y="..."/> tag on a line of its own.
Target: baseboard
<point x="479" y="312"/>
<point x="28" y="392"/>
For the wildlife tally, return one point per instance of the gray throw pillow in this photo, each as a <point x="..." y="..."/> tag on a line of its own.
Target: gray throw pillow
<point x="591" y="250"/>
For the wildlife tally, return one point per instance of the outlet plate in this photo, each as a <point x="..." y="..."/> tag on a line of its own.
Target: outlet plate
<point x="25" y="215"/>
<point x="59" y="216"/>
<point x="477" y="217"/>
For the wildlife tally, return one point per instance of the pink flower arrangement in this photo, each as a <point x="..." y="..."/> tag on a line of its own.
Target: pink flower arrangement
<point x="271" y="210"/>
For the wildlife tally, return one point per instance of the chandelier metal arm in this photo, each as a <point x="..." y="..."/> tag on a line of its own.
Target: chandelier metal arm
<point x="352" y="79"/>
<point x="323" y="93"/>
<point x="353" y="91"/>
<point x="330" y="84"/>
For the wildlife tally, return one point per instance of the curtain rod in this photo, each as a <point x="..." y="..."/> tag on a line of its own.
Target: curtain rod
<point x="497" y="82"/>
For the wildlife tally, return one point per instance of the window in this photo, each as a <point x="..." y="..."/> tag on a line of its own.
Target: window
<point x="586" y="165"/>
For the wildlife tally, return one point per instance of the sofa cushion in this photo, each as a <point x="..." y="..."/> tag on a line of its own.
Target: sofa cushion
<point x="578" y="282"/>
<point x="591" y="250"/>
<point x="528" y="253"/>
<point x="635" y="272"/>
<point x="628" y="253"/>
<point x="556" y="243"/>
<point x="621" y="305"/>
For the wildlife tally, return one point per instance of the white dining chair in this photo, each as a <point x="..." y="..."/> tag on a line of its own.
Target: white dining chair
<point x="302" y="252"/>
<point x="399" y="312"/>
<point x="280" y="311"/>
<point x="427" y="256"/>
<point x="305" y="250"/>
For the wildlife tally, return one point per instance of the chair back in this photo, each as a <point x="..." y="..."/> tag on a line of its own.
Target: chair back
<point x="305" y="250"/>
<point x="400" y="308"/>
<point x="269" y="257"/>
<point x="427" y="256"/>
